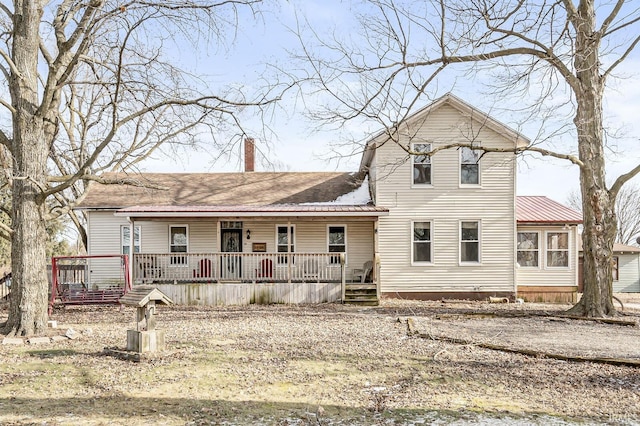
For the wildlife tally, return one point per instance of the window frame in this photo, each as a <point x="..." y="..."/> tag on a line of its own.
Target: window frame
<point x="123" y="245"/>
<point x="413" y="242"/>
<point x="461" y="241"/>
<point x="615" y="267"/>
<point x="428" y="161"/>
<point x="537" y="250"/>
<point x="291" y="230"/>
<point x="179" y="258"/>
<point x="478" y="164"/>
<point x="548" y="250"/>
<point x="331" y="261"/>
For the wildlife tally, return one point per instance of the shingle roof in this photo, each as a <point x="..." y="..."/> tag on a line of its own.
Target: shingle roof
<point x="220" y="189"/>
<point x="617" y="247"/>
<point x="543" y="210"/>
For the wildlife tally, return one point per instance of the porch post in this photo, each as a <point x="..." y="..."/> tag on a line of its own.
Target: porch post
<point x="342" y="277"/>
<point x="375" y="273"/>
<point x="132" y="246"/>
<point x="290" y="257"/>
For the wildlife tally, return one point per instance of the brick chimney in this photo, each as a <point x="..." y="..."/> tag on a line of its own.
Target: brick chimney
<point x="249" y="154"/>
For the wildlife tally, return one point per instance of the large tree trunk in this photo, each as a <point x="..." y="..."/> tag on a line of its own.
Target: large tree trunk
<point x="28" y="301"/>
<point x="598" y="205"/>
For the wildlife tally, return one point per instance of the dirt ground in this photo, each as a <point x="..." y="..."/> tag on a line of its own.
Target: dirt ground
<point x="328" y="364"/>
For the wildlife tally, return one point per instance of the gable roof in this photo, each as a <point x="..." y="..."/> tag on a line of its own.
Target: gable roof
<point x="192" y="192"/>
<point x="541" y="210"/>
<point x="463" y="107"/>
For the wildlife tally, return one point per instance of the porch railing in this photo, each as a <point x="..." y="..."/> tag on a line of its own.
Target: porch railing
<point x="241" y="267"/>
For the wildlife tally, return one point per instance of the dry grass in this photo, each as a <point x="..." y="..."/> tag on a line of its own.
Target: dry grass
<point x="324" y="364"/>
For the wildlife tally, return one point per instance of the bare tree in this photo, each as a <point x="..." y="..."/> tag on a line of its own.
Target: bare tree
<point x="91" y="87"/>
<point x="537" y="50"/>
<point x="627" y="212"/>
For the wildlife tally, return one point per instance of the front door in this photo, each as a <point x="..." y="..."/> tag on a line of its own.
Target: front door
<point x="231" y="264"/>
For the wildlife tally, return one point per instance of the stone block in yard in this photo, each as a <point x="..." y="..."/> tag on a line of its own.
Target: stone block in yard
<point x="12" y="341"/>
<point x="59" y="338"/>
<point x="52" y="324"/>
<point x="38" y="340"/>
<point x="71" y="334"/>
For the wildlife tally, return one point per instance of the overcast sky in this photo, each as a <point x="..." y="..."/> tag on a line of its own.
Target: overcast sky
<point x="295" y="144"/>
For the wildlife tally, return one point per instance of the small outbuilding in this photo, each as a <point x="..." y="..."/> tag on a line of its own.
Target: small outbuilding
<point x="625" y="268"/>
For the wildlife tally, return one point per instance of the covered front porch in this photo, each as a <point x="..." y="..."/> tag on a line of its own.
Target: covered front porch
<point x="283" y="254"/>
<point x="245" y="278"/>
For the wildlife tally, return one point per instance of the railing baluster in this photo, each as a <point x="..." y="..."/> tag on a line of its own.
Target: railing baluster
<point x="246" y="267"/>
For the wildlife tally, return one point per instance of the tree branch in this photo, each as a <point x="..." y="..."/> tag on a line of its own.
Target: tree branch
<point x="623" y="57"/>
<point x="609" y="19"/>
<point x="5" y="229"/>
<point x="622" y="179"/>
<point x="544" y="152"/>
<point x="11" y="64"/>
<point x="4" y="140"/>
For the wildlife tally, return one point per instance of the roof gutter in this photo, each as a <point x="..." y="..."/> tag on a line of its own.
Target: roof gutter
<point x="251" y="214"/>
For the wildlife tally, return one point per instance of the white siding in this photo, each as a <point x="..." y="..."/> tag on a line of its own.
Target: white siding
<point x="628" y="273"/>
<point x="544" y="275"/>
<point x="445" y="203"/>
<point x="104" y="238"/>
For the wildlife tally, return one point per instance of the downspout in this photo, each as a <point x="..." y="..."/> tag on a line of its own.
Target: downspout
<point x="376" y="258"/>
<point x="514" y="251"/>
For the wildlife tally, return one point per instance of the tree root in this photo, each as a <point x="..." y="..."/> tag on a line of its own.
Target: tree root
<point x="520" y="314"/>
<point x="538" y="354"/>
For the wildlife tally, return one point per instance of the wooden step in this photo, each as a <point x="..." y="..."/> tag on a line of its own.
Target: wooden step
<point x="362" y="301"/>
<point x="365" y="286"/>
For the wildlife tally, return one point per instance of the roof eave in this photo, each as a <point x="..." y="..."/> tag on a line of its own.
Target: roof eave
<point x="549" y="222"/>
<point x="169" y="214"/>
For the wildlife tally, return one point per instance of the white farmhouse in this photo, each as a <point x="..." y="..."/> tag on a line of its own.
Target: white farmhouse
<point x="404" y="225"/>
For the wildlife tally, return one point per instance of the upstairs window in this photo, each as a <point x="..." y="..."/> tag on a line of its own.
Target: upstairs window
<point x="558" y="249"/>
<point x="125" y="238"/>
<point x="470" y="242"/>
<point x="528" y="249"/>
<point x="421" y="164"/>
<point x="469" y="166"/>
<point x="178" y="243"/>
<point x="422" y="242"/>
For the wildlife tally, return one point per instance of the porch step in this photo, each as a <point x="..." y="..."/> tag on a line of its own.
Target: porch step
<point x="361" y="294"/>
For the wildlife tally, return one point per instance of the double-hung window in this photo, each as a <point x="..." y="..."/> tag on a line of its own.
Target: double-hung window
<point x="557" y="249"/>
<point x="528" y="249"/>
<point x="421" y="242"/>
<point x="285" y="242"/>
<point x="469" y="166"/>
<point x="421" y="164"/>
<point x="125" y="238"/>
<point x="337" y="242"/>
<point x="614" y="267"/>
<point x="178" y="243"/>
<point x="470" y="242"/>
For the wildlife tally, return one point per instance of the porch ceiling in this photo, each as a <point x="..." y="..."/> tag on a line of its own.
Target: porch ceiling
<point x="273" y="210"/>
